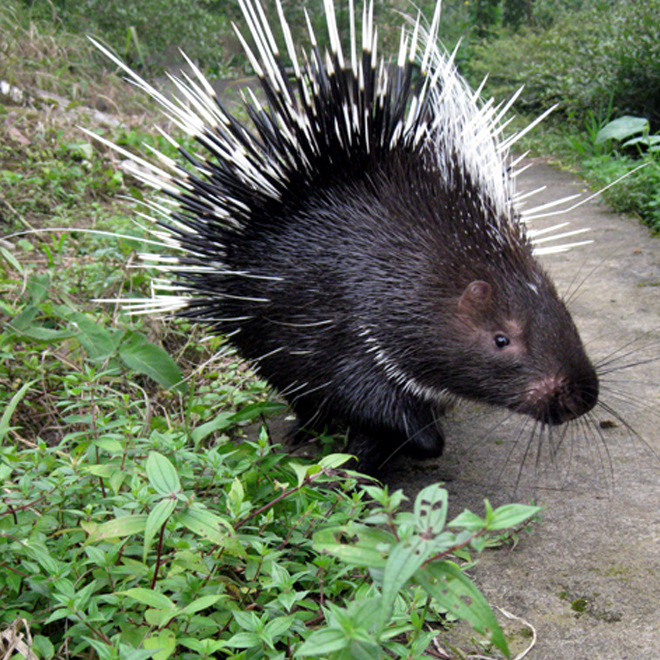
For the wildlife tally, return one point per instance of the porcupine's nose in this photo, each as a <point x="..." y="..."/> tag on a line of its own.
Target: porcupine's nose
<point x="557" y="399"/>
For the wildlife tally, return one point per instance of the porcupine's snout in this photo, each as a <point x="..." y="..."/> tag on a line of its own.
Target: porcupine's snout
<point x="556" y="399"/>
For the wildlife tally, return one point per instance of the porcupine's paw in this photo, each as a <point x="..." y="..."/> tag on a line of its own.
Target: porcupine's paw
<point x="425" y="444"/>
<point x="424" y="437"/>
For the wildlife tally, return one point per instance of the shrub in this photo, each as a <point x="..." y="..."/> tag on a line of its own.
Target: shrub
<point x="588" y="60"/>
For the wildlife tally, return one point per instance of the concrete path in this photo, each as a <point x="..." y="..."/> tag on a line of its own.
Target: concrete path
<point x="587" y="577"/>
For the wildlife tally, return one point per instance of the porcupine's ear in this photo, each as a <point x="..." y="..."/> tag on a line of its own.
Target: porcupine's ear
<point x="474" y="300"/>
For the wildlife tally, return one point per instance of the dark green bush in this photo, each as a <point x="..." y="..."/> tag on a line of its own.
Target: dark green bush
<point x="599" y="59"/>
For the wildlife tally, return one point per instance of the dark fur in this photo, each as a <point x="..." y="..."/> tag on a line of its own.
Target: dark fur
<point x="364" y="249"/>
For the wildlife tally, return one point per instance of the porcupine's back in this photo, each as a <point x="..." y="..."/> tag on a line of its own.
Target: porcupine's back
<point x="361" y="241"/>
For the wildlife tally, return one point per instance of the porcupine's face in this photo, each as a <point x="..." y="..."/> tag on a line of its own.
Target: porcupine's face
<point x="523" y="350"/>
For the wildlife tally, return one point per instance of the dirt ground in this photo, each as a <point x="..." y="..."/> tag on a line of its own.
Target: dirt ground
<point x="587" y="577"/>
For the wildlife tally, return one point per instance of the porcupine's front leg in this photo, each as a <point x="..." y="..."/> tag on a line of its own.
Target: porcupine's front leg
<point x="382" y="421"/>
<point x="413" y="429"/>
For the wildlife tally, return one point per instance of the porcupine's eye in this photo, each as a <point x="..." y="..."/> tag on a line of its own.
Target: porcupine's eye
<point x="501" y="340"/>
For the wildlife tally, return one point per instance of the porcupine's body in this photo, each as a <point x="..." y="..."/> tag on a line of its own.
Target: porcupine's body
<point x="360" y="245"/>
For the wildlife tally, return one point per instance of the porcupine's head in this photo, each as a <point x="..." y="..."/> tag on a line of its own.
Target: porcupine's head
<point x="409" y="144"/>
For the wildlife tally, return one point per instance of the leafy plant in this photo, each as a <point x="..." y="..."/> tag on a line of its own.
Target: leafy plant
<point x="630" y="131"/>
<point x="102" y="549"/>
<point x="615" y="62"/>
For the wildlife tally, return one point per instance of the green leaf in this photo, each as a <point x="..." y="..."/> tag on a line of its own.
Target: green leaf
<point x="431" y="509"/>
<point x="622" y="128"/>
<point x="39" y="552"/>
<point x="244" y="640"/>
<point x="253" y="410"/>
<point x="235" y="495"/>
<point x="162" y="474"/>
<point x="37" y="287"/>
<point x="99" y="343"/>
<point x="468" y="520"/>
<point x="151" y="360"/>
<point x="645" y="140"/>
<point x="206" y="524"/>
<point x="247" y="620"/>
<point x="444" y="581"/>
<point x="117" y="528"/>
<point x="511" y="515"/>
<point x="301" y="471"/>
<point x="403" y="561"/>
<point x="277" y="627"/>
<point x="205" y="647"/>
<point x="201" y="603"/>
<point x="110" y="445"/>
<point x="332" y="461"/>
<point x="156" y="519"/>
<point x="165" y="640"/>
<point x="41" y="333"/>
<point x="323" y="642"/>
<point x="220" y="422"/>
<point x="150" y="598"/>
<point x="11" y="408"/>
<point x="11" y="259"/>
<point x="355" y="544"/>
<point x="25" y="319"/>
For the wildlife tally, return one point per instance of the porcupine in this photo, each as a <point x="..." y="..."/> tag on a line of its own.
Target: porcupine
<point x="361" y="243"/>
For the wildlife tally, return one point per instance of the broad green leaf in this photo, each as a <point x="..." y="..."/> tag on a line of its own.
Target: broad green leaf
<point x="431" y="509"/>
<point x="362" y="650"/>
<point x="277" y="627"/>
<point x="468" y="520"/>
<point x="165" y="640"/>
<point x="117" y="528"/>
<point x="150" y="598"/>
<point x="99" y="342"/>
<point x="24" y="319"/>
<point x="201" y="603"/>
<point x="203" y="522"/>
<point x="323" y="642"/>
<point x="403" y="561"/>
<point x="302" y="471"/>
<point x="110" y="445"/>
<point x="444" y="581"/>
<point x="38" y="551"/>
<point x="41" y="333"/>
<point x="622" y="128"/>
<point x="205" y="647"/>
<point x="355" y="544"/>
<point x="219" y="423"/>
<point x="155" y="520"/>
<point x="332" y="461"/>
<point x="104" y="471"/>
<point x="151" y="360"/>
<point x="244" y="640"/>
<point x="160" y="618"/>
<point x="253" y="410"/>
<point x="37" y="287"/>
<point x="247" y="620"/>
<point x="236" y="494"/>
<point x="162" y="474"/>
<point x="645" y="140"/>
<point x="11" y="259"/>
<point x="511" y="515"/>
